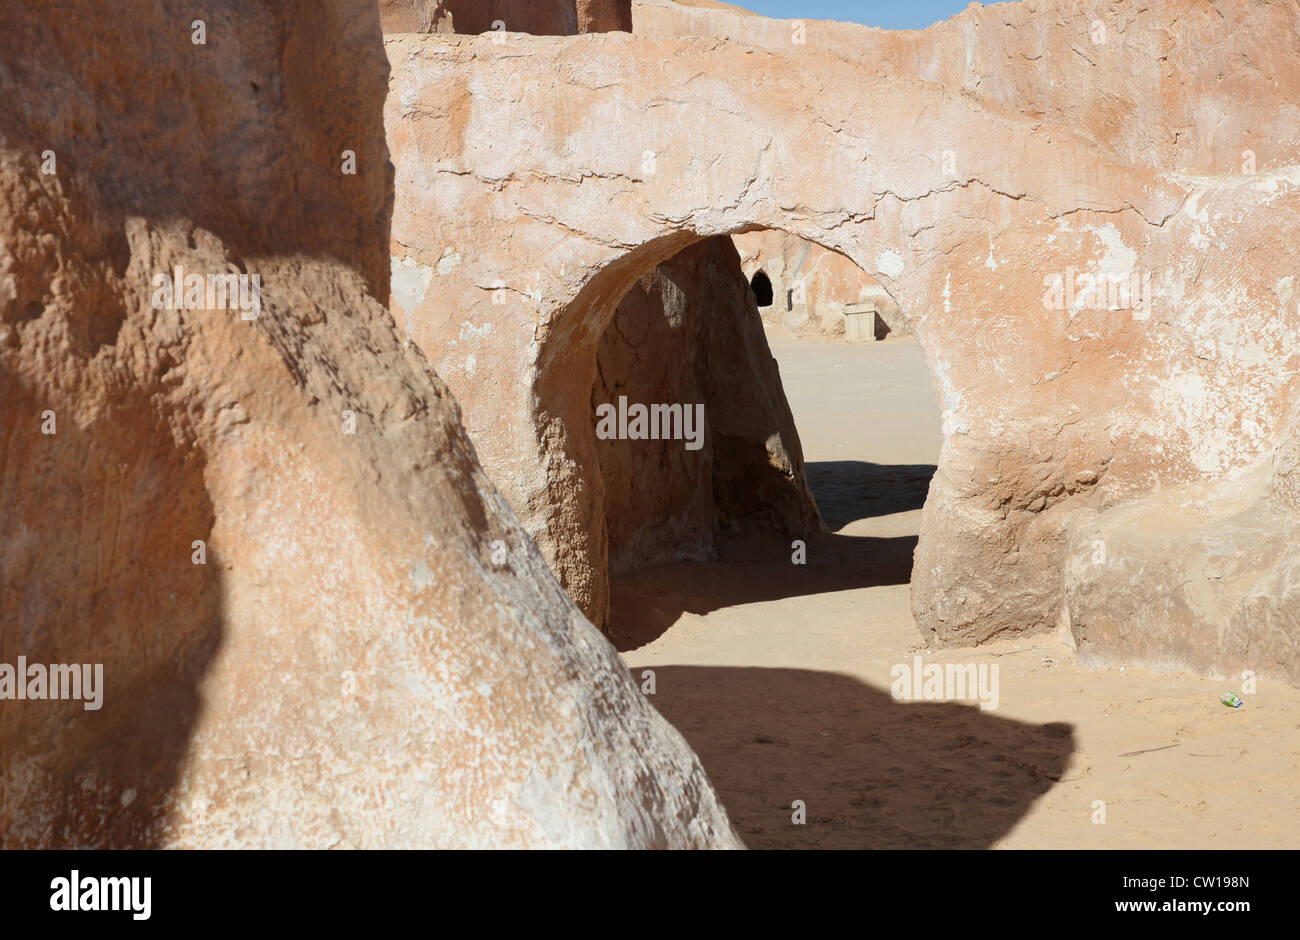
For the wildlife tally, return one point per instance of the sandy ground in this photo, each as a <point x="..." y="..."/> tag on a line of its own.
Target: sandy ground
<point x="779" y="676"/>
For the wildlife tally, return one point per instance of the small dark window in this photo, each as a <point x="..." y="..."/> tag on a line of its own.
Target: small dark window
<point x="761" y="285"/>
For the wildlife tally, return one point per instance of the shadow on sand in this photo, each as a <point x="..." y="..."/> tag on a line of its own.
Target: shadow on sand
<point x="646" y="602"/>
<point x="874" y="773"/>
<point x="849" y="490"/>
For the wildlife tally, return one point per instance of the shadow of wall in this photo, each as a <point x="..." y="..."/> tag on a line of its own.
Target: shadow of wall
<point x="874" y="773"/>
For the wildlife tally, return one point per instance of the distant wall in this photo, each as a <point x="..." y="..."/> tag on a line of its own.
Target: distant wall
<point x="539" y="17"/>
<point x="1100" y="68"/>
<point x="811" y="286"/>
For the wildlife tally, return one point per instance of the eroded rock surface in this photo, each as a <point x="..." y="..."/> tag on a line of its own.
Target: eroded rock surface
<point x="319" y="623"/>
<point x="1187" y="87"/>
<point x="1202" y="577"/>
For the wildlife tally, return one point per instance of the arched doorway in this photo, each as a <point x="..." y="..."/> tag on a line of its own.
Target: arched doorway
<point x="690" y="341"/>
<point x="761" y="285"/>
<point x="668" y="501"/>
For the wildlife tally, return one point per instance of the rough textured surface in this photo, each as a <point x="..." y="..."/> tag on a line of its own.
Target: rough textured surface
<point x="415" y="16"/>
<point x="1053" y="411"/>
<point x="811" y="286"/>
<point x="604" y="16"/>
<point x="1183" y="85"/>
<point x="539" y="17"/>
<point x="373" y="653"/>
<point x="689" y="332"/>
<point x="1203" y="577"/>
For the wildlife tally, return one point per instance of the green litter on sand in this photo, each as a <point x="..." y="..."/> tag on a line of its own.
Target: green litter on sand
<point x="1231" y="699"/>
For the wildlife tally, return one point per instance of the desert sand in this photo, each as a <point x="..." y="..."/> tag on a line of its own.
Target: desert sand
<point x="779" y="675"/>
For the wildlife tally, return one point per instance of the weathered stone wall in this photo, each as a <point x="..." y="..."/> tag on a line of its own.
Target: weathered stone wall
<point x="1202" y="577"/>
<point x="319" y="624"/>
<point x="538" y="17"/>
<point x="1203" y="88"/>
<point x="1056" y="405"/>
<point x="688" y="332"/>
<point x="604" y="16"/>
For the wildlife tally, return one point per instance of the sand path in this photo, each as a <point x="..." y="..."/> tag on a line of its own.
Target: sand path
<point x="779" y="676"/>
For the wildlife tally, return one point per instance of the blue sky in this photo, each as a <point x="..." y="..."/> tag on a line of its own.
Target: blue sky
<point x="891" y="14"/>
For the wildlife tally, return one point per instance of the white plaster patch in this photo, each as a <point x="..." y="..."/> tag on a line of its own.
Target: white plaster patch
<point x="1273" y="180"/>
<point x="421" y="576"/>
<point x="1199" y="238"/>
<point x="410" y="282"/>
<point x="1285" y="290"/>
<point x="449" y="261"/>
<point x="1187" y="398"/>
<point x="1192" y="207"/>
<point x="952" y="401"/>
<point x="409" y="98"/>
<point x="889" y="263"/>
<point x="1118" y="261"/>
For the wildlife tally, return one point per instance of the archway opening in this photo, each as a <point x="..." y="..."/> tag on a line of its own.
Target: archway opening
<point x="823" y="294"/>
<point x="705" y="405"/>
<point x="761" y="286"/>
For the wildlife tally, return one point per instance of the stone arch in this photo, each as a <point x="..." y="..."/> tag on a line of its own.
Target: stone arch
<point x="574" y="510"/>
<point x="618" y="156"/>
